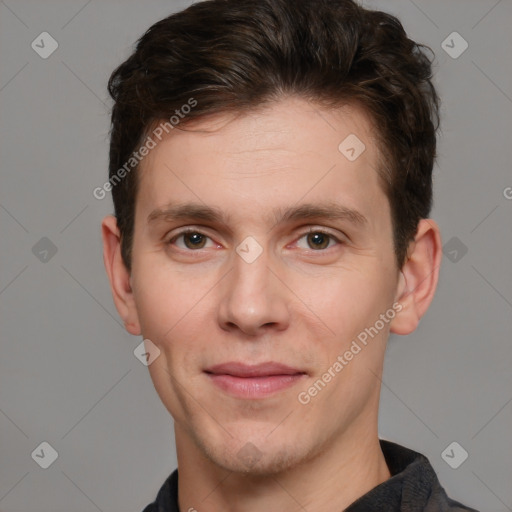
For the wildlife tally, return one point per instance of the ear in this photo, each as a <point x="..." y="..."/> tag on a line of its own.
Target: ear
<point x="418" y="277"/>
<point x="118" y="275"/>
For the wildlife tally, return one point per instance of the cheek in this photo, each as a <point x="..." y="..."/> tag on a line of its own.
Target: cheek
<point x="155" y="308"/>
<point x="162" y="297"/>
<point x="347" y="298"/>
<point x="172" y="314"/>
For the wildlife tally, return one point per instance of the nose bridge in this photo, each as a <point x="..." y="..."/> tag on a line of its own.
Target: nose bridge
<point x="251" y="272"/>
<point x="251" y="298"/>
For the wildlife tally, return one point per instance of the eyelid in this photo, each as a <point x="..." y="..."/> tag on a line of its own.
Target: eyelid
<point x="323" y="231"/>
<point x="311" y="229"/>
<point x="188" y="229"/>
<point x="184" y="231"/>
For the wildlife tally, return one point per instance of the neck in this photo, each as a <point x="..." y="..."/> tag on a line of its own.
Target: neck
<point x="332" y="479"/>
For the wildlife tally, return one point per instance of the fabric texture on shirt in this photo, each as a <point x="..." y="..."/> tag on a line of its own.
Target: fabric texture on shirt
<point x="413" y="487"/>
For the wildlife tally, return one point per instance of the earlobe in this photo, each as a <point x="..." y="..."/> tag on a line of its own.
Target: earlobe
<point x="118" y="275"/>
<point x="418" y="277"/>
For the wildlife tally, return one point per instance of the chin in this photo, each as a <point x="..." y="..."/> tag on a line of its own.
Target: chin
<point x="267" y="464"/>
<point x="256" y="458"/>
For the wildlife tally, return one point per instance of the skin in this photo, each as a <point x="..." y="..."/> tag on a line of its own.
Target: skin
<point x="296" y="303"/>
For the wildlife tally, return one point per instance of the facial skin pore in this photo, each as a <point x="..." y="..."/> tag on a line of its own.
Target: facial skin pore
<point x="297" y="303"/>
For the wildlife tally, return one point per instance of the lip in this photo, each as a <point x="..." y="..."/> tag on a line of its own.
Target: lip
<point x="259" y="370"/>
<point x="254" y="381"/>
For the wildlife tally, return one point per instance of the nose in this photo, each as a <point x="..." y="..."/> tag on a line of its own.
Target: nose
<point x="254" y="298"/>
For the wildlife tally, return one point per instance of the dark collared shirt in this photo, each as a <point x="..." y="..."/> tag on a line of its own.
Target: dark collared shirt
<point x="413" y="487"/>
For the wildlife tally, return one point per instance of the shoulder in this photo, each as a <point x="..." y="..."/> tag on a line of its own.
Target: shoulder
<point x="167" y="497"/>
<point x="417" y="480"/>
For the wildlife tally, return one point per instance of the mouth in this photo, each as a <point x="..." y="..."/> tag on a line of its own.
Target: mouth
<point x="254" y="381"/>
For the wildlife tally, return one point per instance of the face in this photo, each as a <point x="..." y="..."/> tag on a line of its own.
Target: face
<point x="258" y="241"/>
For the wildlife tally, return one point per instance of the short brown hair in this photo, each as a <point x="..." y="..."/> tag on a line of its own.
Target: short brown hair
<point x="236" y="55"/>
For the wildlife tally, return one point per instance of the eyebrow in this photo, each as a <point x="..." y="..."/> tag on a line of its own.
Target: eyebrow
<point x="307" y="211"/>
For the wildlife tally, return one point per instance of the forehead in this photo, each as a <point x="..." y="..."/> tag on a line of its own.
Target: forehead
<point x="281" y="155"/>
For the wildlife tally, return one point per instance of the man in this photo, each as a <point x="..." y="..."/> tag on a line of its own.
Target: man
<point x="270" y="165"/>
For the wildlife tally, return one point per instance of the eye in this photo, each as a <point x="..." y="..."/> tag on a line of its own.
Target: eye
<point x="192" y="240"/>
<point x="318" y="239"/>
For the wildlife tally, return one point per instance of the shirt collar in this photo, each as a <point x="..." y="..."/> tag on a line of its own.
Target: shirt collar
<point x="412" y="487"/>
<point x="407" y="490"/>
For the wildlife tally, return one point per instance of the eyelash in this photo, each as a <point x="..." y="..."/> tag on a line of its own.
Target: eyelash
<point x="311" y="230"/>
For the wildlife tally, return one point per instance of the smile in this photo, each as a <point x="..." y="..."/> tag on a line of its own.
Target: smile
<point x="256" y="381"/>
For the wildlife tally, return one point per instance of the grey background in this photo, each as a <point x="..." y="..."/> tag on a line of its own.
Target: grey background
<point x="68" y="375"/>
